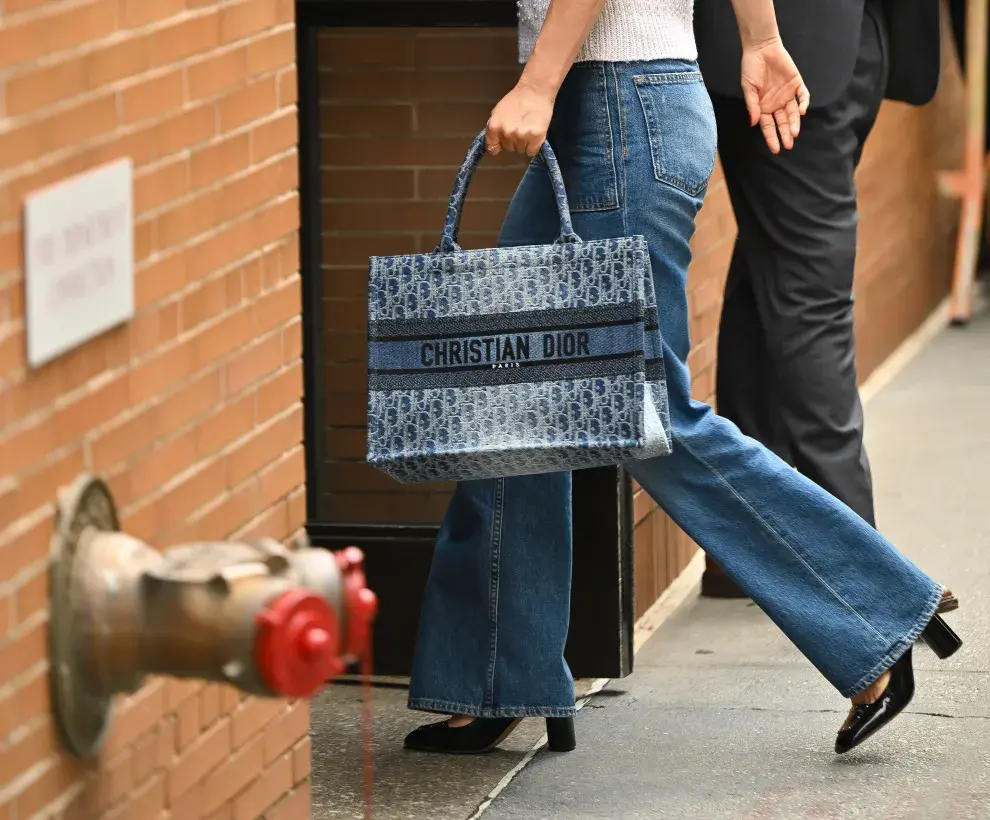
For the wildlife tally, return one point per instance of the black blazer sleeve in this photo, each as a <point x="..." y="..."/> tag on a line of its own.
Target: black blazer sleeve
<point x="821" y="35"/>
<point x="823" y="38"/>
<point x="915" y="43"/>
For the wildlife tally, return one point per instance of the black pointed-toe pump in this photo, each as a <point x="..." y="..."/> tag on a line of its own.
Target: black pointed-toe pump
<point x="484" y="735"/>
<point x="866" y="719"/>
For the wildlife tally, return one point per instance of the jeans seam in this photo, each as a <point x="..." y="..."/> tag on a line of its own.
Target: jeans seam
<point x="495" y="548"/>
<point x="780" y="539"/>
<point x="623" y="197"/>
<point x="611" y="136"/>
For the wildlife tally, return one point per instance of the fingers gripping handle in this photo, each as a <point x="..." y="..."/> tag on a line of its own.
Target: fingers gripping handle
<point x="448" y="240"/>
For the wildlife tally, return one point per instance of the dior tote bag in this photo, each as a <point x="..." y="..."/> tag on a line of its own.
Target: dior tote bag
<point x="513" y="361"/>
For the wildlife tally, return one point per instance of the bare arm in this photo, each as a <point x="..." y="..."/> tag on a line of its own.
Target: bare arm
<point x="757" y="22"/>
<point x="567" y="26"/>
<point x="776" y="96"/>
<point x="520" y="121"/>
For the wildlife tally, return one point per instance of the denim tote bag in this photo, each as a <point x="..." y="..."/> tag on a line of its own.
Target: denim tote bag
<point x="513" y="361"/>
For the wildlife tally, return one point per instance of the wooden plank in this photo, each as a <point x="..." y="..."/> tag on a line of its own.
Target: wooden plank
<point x="969" y="184"/>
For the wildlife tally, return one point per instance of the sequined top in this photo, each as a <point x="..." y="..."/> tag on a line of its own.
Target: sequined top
<point x="627" y="30"/>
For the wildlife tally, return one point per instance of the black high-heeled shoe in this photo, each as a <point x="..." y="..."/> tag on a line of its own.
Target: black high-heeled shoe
<point x="866" y="719"/>
<point x="483" y="735"/>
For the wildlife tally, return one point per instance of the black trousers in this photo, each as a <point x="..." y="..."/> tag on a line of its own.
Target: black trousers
<point x="786" y="350"/>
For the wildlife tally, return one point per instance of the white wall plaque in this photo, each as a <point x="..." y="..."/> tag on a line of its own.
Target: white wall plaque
<point x="78" y="259"/>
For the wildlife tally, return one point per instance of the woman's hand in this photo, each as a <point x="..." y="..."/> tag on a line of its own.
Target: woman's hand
<point x="776" y="96"/>
<point x="520" y="121"/>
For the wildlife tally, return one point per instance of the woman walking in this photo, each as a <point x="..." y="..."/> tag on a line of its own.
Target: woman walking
<point x="616" y="89"/>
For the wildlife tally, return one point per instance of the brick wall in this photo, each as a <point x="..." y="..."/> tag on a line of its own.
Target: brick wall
<point x="192" y="410"/>
<point x="399" y="107"/>
<point x="399" y="110"/>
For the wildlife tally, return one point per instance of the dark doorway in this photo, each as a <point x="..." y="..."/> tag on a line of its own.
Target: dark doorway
<point x="389" y="95"/>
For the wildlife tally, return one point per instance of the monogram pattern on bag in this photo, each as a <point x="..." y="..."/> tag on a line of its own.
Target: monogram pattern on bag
<point x="503" y="280"/>
<point x="484" y="432"/>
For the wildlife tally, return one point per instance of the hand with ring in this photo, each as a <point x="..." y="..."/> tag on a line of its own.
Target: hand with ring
<point x="520" y="121"/>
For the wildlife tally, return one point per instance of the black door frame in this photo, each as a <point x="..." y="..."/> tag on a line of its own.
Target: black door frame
<point x="600" y="642"/>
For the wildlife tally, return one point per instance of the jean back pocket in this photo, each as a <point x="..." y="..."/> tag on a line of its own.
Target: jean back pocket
<point x="581" y="135"/>
<point x="680" y="122"/>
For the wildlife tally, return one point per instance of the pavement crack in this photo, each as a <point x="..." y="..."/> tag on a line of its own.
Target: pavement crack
<point x="841" y="712"/>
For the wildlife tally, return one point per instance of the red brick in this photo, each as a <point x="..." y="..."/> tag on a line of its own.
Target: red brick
<point x="22" y="651"/>
<point x="24" y="704"/>
<point x="366" y="50"/>
<point x="42" y="86"/>
<point x="282" y="477"/>
<point x="29" y="748"/>
<point x="146" y="757"/>
<point x="190" y="127"/>
<point x="59" y="774"/>
<point x="217" y="73"/>
<point x="284" y="732"/>
<point x="254" y="363"/>
<point x="114" y="779"/>
<point x="136" y="717"/>
<point x="274" y="136"/>
<point x="40" y="488"/>
<point x="234" y="774"/>
<point x="265" y="791"/>
<point x="274" y="51"/>
<point x="148" y="800"/>
<point x="209" y="704"/>
<point x="466" y="51"/>
<point x="35" y="36"/>
<point x="288" y="87"/>
<point x="293" y="807"/>
<point x="31" y="597"/>
<point x="187" y="37"/>
<point x="155" y="96"/>
<point x="90" y="410"/>
<point x="219" y="519"/>
<point x="193" y="491"/>
<point x="161" y="184"/>
<point x="240" y="20"/>
<point x="252" y="716"/>
<point x="301" y="760"/>
<point x="228" y="423"/>
<point x="280" y="392"/>
<point x="272" y="523"/>
<point x="196" y="762"/>
<point x="259" y="186"/>
<point x="220" y="159"/>
<point x="254" y="101"/>
<point x="137" y="13"/>
<point x="28" y="445"/>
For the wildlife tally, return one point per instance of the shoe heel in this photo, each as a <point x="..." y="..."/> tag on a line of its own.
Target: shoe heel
<point x="940" y="638"/>
<point x="560" y="734"/>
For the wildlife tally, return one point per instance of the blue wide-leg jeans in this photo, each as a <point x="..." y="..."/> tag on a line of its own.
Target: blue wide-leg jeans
<point x="636" y="145"/>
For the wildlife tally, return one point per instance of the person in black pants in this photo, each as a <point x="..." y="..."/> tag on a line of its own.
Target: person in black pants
<point x="957" y="13"/>
<point x="786" y="350"/>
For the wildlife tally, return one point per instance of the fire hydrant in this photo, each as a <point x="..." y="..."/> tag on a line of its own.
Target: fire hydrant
<point x="268" y="620"/>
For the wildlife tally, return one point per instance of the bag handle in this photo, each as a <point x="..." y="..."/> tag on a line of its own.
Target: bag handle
<point x="448" y="239"/>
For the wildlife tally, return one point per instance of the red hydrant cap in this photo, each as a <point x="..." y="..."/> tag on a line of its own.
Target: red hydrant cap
<point x="296" y="648"/>
<point x="360" y="602"/>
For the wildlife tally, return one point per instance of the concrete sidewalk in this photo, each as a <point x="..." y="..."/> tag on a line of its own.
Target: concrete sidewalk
<point x="723" y="718"/>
